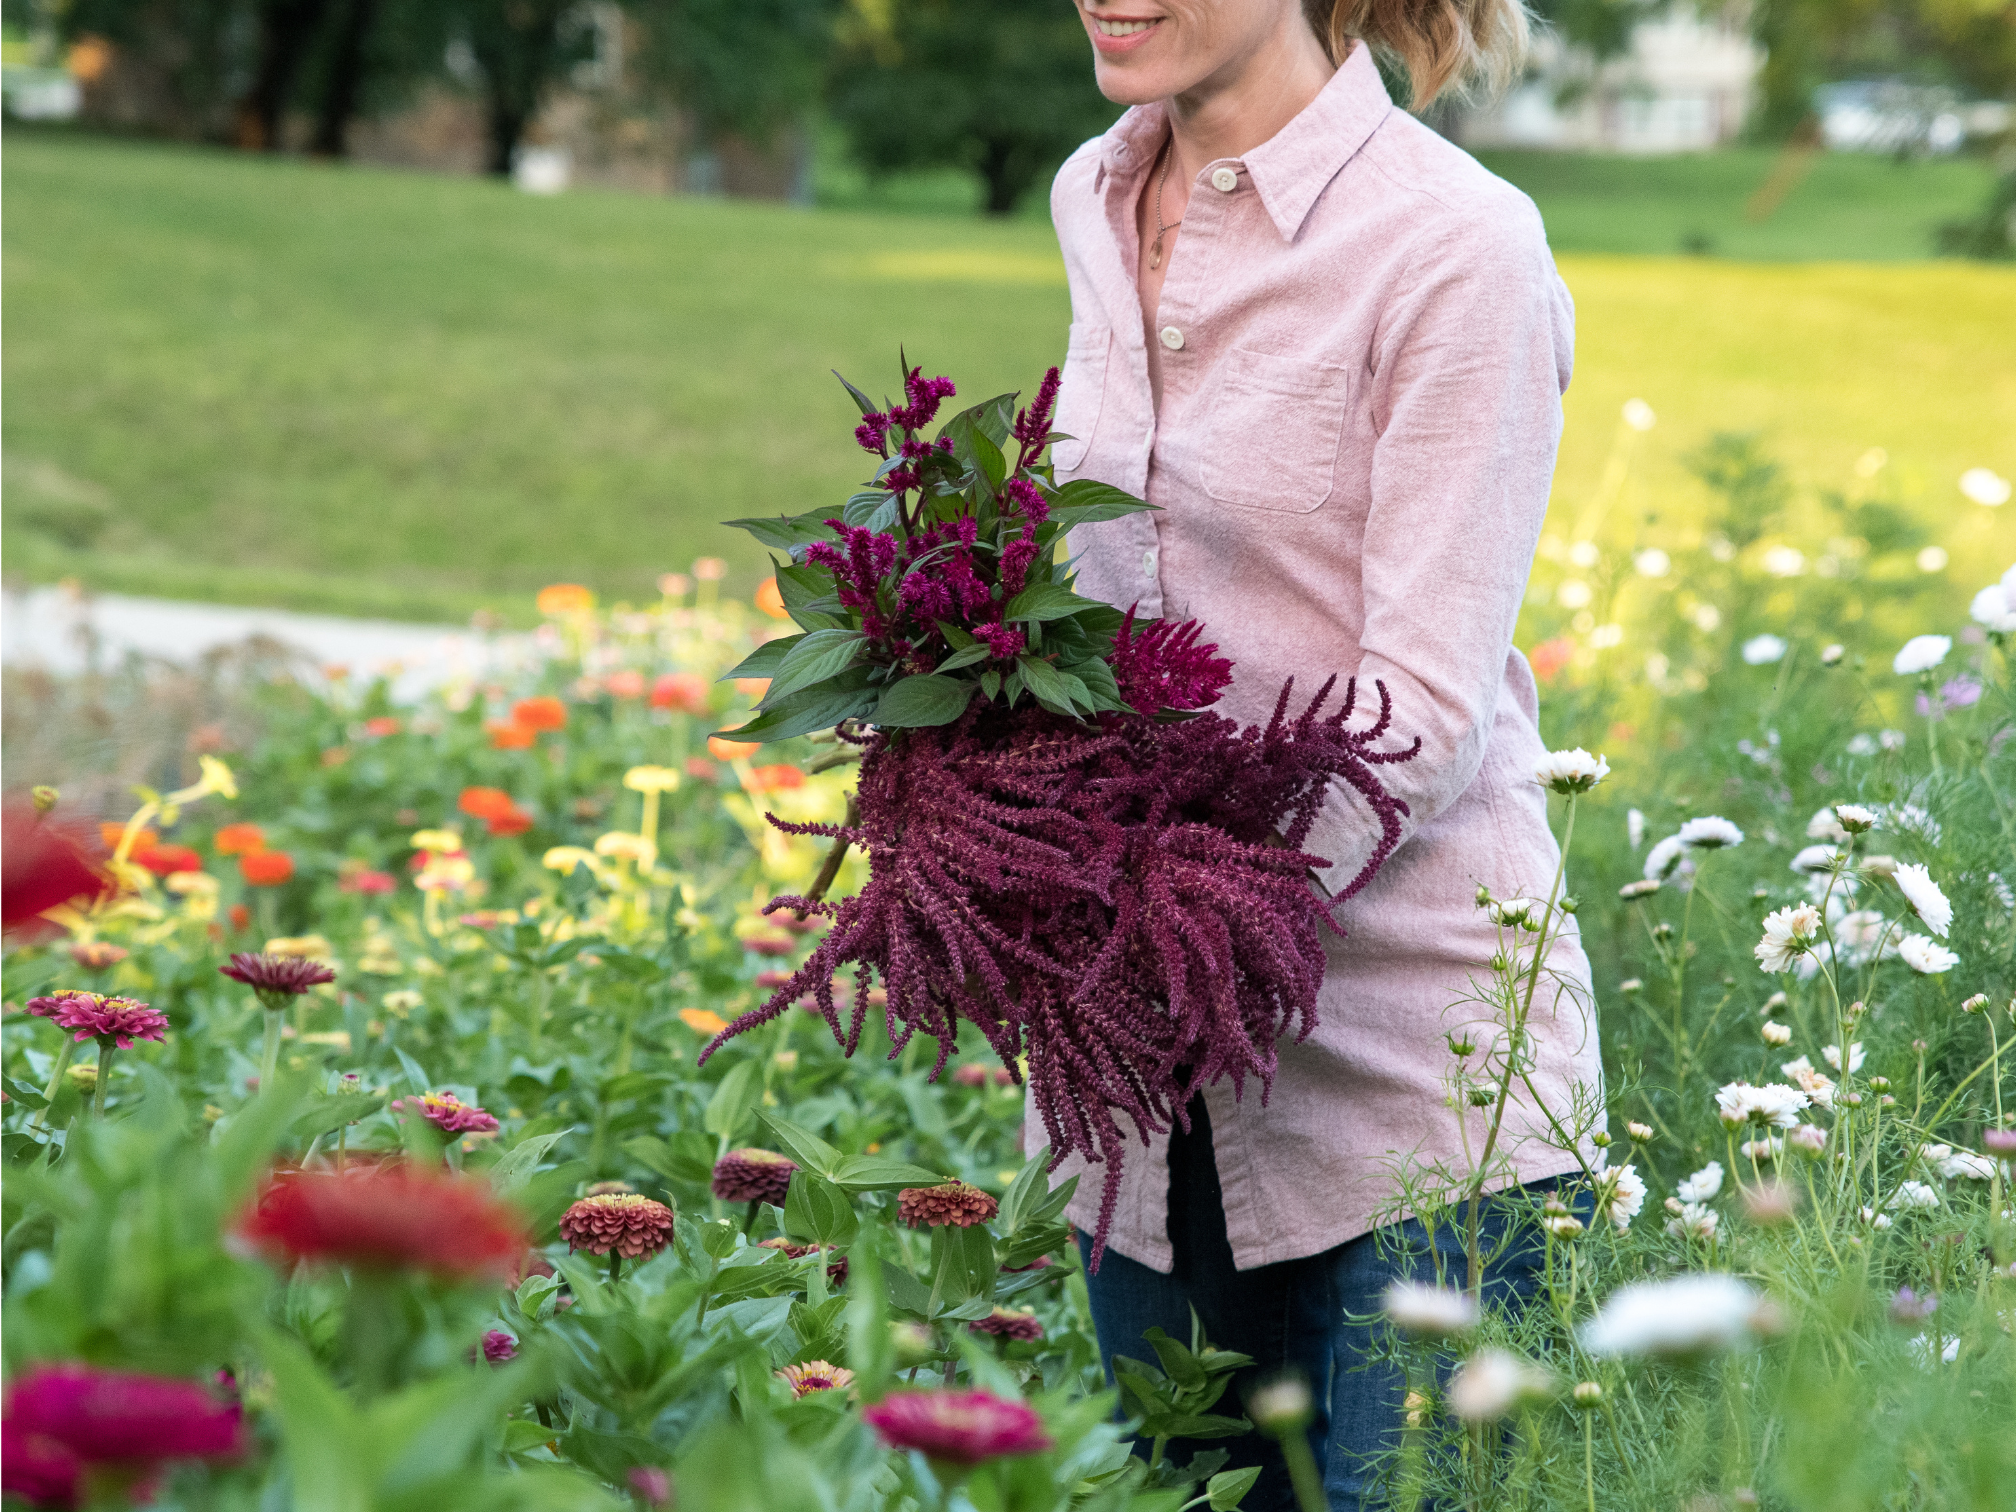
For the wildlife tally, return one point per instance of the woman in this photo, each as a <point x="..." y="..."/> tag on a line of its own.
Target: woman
<point x="1331" y="348"/>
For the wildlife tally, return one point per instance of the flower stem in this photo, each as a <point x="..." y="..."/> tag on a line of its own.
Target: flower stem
<point x="269" y="1053"/>
<point x="63" y="1054"/>
<point x="105" y="1049"/>
<point x="1302" y="1471"/>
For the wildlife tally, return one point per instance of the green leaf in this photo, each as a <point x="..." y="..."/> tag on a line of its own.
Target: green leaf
<point x="1022" y="1191"/>
<point x="954" y="636"/>
<point x="819" y="707"/>
<point x="733" y="1101"/>
<point x="1086" y="501"/>
<point x="802" y="1145"/>
<point x="784" y="532"/>
<point x="522" y="1161"/>
<point x="975" y="449"/>
<point x="815" y="658"/>
<point x="964" y="658"/>
<point x="862" y="507"/>
<point x="916" y="702"/>
<point x="1178" y="1362"/>
<point x="817" y="1210"/>
<point x="963" y="1263"/>
<point x="878" y="1173"/>
<point x="1046" y="682"/>
<point x="1228" y="1488"/>
<point x="325" y="1113"/>
<point x="990" y="683"/>
<point x="1046" y="601"/>
<point x="803" y="587"/>
<point x="867" y="405"/>
<point x="764" y="660"/>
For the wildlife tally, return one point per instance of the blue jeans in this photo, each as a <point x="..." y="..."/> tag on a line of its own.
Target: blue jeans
<point x="1291" y="1317"/>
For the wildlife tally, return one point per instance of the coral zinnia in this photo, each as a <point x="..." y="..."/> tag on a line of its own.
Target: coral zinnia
<point x="753" y="1176"/>
<point x="815" y="1375"/>
<point x="1007" y="1323"/>
<point x="238" y="839"/>
<point x="388" y="1217"/>
<point x="543" y="712"/>
<point x="963" y="1428"/>
<point x="486" y="802"/>
<point x="118" y="1019"/>
<point x="276" y="976"/>
<point x="956" y="1203"/>
<point x="115" y="1419"/>
<point x="634" y="1226"/>
<point x="448" y="1113"/>
<point x="166" y="860"/>
<point x="508" y="736"/>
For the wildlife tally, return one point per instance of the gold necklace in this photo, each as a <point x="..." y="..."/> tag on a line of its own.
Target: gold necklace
<point x="1168" y="159"/>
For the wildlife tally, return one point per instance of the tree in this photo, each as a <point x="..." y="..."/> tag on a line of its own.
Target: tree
<point x="741" y="66"/>
<point x="1003" y="87"/>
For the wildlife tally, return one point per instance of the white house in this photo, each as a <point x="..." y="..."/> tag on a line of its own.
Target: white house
<point x="1686" y="84"/>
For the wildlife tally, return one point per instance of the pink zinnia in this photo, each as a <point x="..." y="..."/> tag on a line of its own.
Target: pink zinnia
<point x="633" y="1226"/>
<point x="118" y="1019"/>
<point x="652" y="1485"/>
<point x="1007" y="1323"/>
<point x="498" y="1347"/>
<point x="448" y="1113"/>
<point x="107" y="1417"/>
<point x="276" y="976"/>
<point x="753" y="1176"/>
<point x="956" y="1203"/>
<point x="957" y="1427"/>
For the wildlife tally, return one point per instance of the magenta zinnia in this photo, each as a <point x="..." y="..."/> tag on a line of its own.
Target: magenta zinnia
<point x="634" y="1226"/>
<point x="113" y="1419"/>
<point x="957" y="1427"/>
<point x="448" y="1113"/>
<point x="957" y="1204"/>
<point x="89" y="1015"/>
<point x="276" y="976"/>
<point x="753" y="1176"/>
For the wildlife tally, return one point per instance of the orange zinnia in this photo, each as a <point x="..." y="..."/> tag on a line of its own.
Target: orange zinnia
<point x="239" y="840"/>
<point x="684" y="691"/>
<point x="266" y="868"/>
<point x="514" y="823"/>
<point x="384" y="724"/>
<point x="565" y="598"/>
<point x="544" y="712"/>
<point x="506" y="736"/>
<point x="111" y="834"/>
<point x="702" y="1020"/>
<point x="769" y="600"/>
<point x="162" y="860"/>
<point x="486" y="803"/>
<point x="731" y="750"/>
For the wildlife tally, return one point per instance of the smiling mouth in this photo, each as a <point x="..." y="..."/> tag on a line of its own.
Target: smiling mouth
<point x="1122" y="28"/>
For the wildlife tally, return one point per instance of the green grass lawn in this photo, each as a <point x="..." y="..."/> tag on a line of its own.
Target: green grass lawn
<point x="272" y="381"/>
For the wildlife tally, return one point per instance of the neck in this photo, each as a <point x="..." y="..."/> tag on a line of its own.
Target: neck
<point x="1247" y="102"/>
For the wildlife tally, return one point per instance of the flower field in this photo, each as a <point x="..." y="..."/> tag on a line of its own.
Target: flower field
<point x="357" y="1155"/>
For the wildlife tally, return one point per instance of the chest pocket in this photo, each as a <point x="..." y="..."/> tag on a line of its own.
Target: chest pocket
<point x="1275" y="428"/>
<point x="1081" y="395"/>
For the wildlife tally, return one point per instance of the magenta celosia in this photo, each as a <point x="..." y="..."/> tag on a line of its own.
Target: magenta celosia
<point x="957" y="1427"/>
<point x="89" y="1015"/>
<point x="749" y="1175"/>
<point x="1164" y="666"/>
<point x="1032" y="425"/>
<point x="109" y="1417"/>
<point x="1123" y="905"/>
<point x="448" y="1113"/>
<point x="956" y="1203"/>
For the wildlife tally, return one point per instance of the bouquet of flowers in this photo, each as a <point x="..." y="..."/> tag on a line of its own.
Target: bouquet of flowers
<point x="1065" y="851"/>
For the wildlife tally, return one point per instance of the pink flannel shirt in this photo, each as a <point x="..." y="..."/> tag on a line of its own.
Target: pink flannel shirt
<point x="1363" y="348"/>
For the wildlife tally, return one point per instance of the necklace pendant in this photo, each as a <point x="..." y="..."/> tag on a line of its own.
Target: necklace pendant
<point x="1155" y="254"/>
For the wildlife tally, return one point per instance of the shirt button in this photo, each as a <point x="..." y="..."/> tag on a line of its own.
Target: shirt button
<point x="1225" y="180"/>
<point x="1148" y="562"/>
<point x="1172" y="338"/>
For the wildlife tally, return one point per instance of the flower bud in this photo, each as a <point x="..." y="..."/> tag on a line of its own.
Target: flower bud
<point x="1280" y="1408"/>
<point x="1640" y="1133"/>
<point x="913" y="1344"/>
<point x="45" y="798"/>
<point x="1777" y="1034"/>
<point x="1630" y="986"/>
<point x="1483" y="896"/>
<point x="1880" y="1083"/>
<point x="1588" y="1395"/>
<point x="1481" y="1097"/>
<point x="1975" y="1004"/>
<point x="1570" y="904"/>
<point x="1600" y="1140"/>
<point x="1460" y="1047"/>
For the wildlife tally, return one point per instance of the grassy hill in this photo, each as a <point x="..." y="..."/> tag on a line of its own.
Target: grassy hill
<point x="274" y="381"/>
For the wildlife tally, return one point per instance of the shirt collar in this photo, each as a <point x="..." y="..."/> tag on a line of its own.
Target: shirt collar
<point x="1290" y="169"/>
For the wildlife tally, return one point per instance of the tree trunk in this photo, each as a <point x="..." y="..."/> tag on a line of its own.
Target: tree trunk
<point x="286" y="28"/>
<point x="516" y="58"/>
<point x="507" y="125"/>
<point x="1005" y="166"/>
<point x="346" y="79"/>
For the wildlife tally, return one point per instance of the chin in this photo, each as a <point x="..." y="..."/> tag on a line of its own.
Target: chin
<point x="1132" y="85"/>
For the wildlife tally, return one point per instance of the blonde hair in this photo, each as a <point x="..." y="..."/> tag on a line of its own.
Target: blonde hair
<point x="1464" y="46"/>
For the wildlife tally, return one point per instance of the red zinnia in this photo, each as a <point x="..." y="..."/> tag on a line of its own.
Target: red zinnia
<point x="544" y="712"/>
<point x="361" y="879"/>
<point x="276" y="975"/>
<point x="166" y="860"/>
<point x="64" y="1419"/>
<point x="962" y="1428"/>
<point x="486" y="802"/>
<point x="836" y="1271"/>
<point x="383" y="725"/>
<point x="956" y="1203"/>
<point x="266" y="868"/>
<point x="632" y="1225"/>
<point x="389" y="1217"/>
<point x="753" y="1176"/>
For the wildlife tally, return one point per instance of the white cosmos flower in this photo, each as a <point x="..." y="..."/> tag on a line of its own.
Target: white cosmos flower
<point x="1858" y="935"/>
<point x="1875" y="1219"/>
<point x="1825" y="826"/>
<point x="1816" y="860"/>
<point x="1817" y="1085"/>
<point x="1709" y="832"/>
<point x="1853" y="818"/>
<point x="1993" y="609"/>
<point x="1769" y="1148"/>
<point x="1926" y="956"/>
<point x="1663" y="857"/>
<point x="1832" y="1055"/>
<point x="1985" y="486"/>
<point x="1693" y="1222"/>
<point x="1788" y="934"/>
<point x="1761" y="650"/>
<point x="1925" y="898"/>
<point x="1777" y="1034"/>
<point x="1620" y="1195"/>
<point x="1685" y="1315"/>
<point x="1492" y="1382"/>
<point x="1634" y="827"/>
<point x="1913" y="820"/>
<point x="1433" y="1312"/>
<point x="1810" y="1139"/>
<point x="1702" y="1185"/>
<point x="1965" y="1165"/>
<point x="1573" y="771"/>
<point x="1913" y="1194"/>
<point x="1776" y="1105"/>
<point x="1921" y="653"/>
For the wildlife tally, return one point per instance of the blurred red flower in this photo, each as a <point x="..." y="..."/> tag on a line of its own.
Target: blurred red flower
<point x="1550" y="656"/>
<point x="388" y="1217"/>
<point x="384" y="724"/>
<point x="239" y="839"/>
<point x="64" y="1420"/>
<point x="43" y="864"/>
<point x="959" y="1427"/>
<point x="544" y="712"/>
<point x="505" y="735"/>
<point x="627" y="683"/>
<point x="165" y="860"/>
<point x="266" y="868"/>
<point x="684" y="691"/>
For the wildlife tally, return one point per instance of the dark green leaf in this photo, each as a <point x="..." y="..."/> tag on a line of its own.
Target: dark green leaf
<point x="803" y="1146"/>
<point x="1046" y="601"/>
<point x="733" y="1101"/>
<point x="764" y="660"/>
<point x="1085" y="501"/>
<point x="819" y="707"/>
<point x="784" y="532"/>
<point x="916" y="702"/>
<point x="817" y="1210"/>
<point x="1228" y="1488"/>
<point x="1046" y="682"/>
<point x="815" y="658"/>
<point x="878" y="1173"/>
<point x="867" y="405"/>
<point x="964" y="658"/>
<point x="963" y="1263"/>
